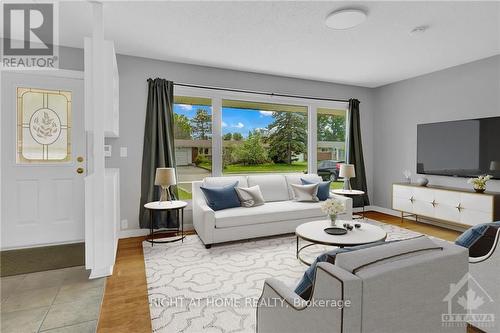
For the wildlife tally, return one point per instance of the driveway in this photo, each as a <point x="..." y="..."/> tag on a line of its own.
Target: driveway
<point x="190" y="173"/>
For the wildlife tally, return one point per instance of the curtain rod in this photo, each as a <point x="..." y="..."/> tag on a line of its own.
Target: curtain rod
<point x="260" y="92"/>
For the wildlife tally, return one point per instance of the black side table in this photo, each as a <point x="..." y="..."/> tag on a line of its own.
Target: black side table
<point x="177" y="205"/>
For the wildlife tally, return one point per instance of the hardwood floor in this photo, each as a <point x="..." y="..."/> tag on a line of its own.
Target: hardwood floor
<point x="125" y="306"/>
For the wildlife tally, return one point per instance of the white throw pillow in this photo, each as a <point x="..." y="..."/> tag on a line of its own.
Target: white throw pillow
<point x="305" y="192"/>
<point x="250" y="196"/>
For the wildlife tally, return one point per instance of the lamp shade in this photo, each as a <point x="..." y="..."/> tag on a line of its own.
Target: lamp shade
<point x="165" y="177"/>
<point x="347" y="171"/>
<point x="495" y="166"/>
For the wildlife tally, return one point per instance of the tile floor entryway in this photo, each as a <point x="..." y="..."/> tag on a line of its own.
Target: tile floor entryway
<point x="57" y="301"/>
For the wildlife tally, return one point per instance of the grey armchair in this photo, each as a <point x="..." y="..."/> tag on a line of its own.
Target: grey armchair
<point x="486" y="272"/>
<point x="397" y="287"/>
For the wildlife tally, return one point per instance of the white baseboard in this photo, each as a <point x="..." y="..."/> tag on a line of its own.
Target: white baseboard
<point x="128" y="233"/>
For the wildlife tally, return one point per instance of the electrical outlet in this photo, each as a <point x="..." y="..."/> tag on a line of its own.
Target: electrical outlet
<point x="124" y="224"/>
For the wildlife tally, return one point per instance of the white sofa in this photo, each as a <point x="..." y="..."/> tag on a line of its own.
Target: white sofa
<point x="279" y="215"/>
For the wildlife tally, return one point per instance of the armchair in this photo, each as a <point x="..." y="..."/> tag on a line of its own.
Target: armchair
<point x="486" y="271"/>
<point x="396" y="287"/>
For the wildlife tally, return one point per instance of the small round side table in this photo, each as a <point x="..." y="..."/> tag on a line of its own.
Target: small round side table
<point x="352" y="193"/>
<point x="176" y="205"/>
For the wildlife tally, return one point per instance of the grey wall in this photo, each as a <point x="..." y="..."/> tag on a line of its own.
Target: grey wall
<point x="389" y="113"/>
<point x="463" y="92"/>
<point x="135" y="71"/>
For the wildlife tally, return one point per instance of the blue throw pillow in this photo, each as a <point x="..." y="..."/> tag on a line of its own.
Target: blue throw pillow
<point x="223" y="197"/>
<point x="474" y="234"/>
<point x="323" y="188"/>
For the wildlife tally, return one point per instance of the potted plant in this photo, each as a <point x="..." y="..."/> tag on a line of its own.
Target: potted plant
<point x="333" y="207"/>
<point x="479" y="183"/>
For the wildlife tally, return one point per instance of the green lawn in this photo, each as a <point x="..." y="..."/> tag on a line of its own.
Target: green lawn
<point x="183" y="194"/>
<point x="337" y="185"/>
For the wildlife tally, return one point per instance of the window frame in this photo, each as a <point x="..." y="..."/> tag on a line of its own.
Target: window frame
<point x="312" y="106"/>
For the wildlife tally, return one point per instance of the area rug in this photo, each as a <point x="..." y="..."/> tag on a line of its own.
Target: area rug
<point x="193" y="289"/>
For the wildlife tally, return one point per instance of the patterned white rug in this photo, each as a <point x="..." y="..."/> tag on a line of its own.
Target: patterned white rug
<point x="192" y="289"/>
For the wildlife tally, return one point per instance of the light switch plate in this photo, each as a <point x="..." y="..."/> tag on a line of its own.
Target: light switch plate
<point x="123" y="152"/>
<point x="107" y="150"/>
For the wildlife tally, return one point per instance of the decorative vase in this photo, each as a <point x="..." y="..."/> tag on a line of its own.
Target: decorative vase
<point x="422" y="181"/>
<point x="333" y="219"/>
<point x="479" y="189"/>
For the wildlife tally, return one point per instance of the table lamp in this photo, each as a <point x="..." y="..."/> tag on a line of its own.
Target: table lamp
<point x="347" y="172"/>
<point x="495" y="166"/>
<point x="165" y="177"/>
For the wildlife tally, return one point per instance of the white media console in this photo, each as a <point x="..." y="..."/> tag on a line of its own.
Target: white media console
<point x="451" y="205"/>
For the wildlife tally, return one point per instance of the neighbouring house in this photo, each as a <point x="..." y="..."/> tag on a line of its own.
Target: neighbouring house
<point x="328" y="150"/>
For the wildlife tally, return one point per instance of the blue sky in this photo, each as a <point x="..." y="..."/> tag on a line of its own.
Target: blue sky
<point x="234" y="120"/>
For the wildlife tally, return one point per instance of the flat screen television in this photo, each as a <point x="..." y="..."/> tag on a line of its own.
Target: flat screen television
<point x="464" y="148"/>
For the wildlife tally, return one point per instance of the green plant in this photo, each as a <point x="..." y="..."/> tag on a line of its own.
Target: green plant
<point x="288" y="136"/>
<point x="252" y="151"/>
<point x="201" y="158"/>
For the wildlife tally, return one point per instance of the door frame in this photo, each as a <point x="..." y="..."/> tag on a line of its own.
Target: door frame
<point x="61" y="73"/>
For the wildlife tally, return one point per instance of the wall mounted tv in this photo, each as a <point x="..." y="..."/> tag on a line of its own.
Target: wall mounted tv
<point x="464" y="148"/>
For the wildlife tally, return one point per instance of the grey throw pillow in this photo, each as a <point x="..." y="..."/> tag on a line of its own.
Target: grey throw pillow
<point x="305" y="192"/>
<point x="250" y="196"/>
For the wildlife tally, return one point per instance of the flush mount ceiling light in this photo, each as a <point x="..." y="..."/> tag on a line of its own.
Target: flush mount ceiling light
<point x="419" y="30"/>
<point x="345" y="19"/>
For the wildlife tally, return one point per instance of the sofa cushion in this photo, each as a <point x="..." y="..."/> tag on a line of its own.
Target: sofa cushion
<point x="223" y="181"/>
<point x="296" y="178"/>
<point x="269" y="212"/>
<point x="273" y="187"/>
<point x="323" y="188"/>
<point x="221" y="197"/>
<point x="354" y="261"/>
<point x="305" y="192"/>
<point x="250" y="196"/>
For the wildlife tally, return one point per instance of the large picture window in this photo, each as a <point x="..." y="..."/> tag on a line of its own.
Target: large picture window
<point x="231" y="133"/>
<point x="263" y="137"/>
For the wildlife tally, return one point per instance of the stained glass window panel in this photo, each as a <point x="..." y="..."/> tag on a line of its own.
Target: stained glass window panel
<point x="43" y="125"/>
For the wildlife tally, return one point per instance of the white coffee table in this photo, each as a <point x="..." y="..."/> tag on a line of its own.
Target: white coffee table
<point x="314" y="232"/>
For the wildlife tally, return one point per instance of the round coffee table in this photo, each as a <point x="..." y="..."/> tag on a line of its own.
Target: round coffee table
<point x="314" y="232"/>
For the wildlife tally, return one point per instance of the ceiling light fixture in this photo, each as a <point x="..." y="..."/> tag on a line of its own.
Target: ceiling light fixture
<point x="419" y="30"/>
<point x="345" y="19"/>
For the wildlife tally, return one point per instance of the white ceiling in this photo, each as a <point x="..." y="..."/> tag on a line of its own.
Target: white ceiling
<point x="291" y="38"/>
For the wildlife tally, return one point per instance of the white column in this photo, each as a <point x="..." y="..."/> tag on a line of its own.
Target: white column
<point x="216" y="136"/>
<point x="99" y="239"/>
<point x="312" y="139"/>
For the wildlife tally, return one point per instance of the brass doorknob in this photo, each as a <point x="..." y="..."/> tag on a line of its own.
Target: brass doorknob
<point x="79" y="170"/>
<point x="79" y="159"/>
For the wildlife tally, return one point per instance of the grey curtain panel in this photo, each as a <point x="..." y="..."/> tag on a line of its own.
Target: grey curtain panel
<point x="158" y="150"/>
<point x="356" y="154"/>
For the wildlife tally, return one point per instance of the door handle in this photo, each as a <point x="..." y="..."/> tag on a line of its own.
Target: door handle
<point x="79" y="159"/>
<point x="434" y="203"/>
<point x="79" y="170"/>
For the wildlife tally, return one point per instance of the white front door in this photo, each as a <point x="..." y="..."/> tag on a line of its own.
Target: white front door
<point x="43" y="159"/>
